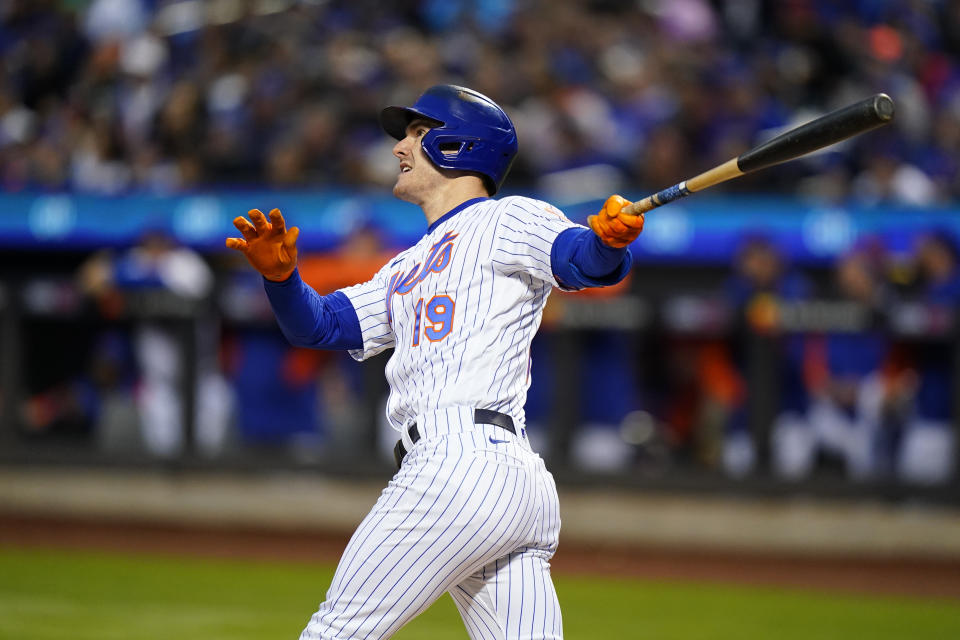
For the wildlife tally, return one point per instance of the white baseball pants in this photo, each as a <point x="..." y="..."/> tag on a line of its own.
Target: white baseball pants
<point x="473" y="512"/>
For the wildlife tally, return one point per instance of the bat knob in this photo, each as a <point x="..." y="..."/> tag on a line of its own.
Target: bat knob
<point x="883" y="107"/>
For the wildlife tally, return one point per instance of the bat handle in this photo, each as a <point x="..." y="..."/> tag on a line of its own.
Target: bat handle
<point x="658" y="199"/>
<point x="716" y="175"/>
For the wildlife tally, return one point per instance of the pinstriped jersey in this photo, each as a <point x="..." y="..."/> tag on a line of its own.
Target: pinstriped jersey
<point x="460" y="308"/>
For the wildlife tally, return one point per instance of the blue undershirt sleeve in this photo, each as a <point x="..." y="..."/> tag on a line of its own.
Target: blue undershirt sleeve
<point x="580" y="259"/>
<point x="308" y="319"/>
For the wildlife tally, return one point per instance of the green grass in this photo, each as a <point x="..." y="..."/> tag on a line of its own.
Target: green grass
<point x="97" y="596"/>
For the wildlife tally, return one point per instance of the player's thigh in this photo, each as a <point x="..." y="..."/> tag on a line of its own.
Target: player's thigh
<point x="431" y="527"/>
<point x="511" y="598"/>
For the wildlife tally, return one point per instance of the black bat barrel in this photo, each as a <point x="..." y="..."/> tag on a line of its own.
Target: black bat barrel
<point x="829" y="129"/>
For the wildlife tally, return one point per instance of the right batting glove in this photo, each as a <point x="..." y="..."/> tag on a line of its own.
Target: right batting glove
<point x="615" y="228"/>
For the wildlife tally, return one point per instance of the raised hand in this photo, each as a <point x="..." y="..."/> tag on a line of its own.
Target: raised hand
<point x="268" y="245"/>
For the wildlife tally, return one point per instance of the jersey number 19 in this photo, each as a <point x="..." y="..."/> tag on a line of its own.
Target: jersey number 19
<point x="439" y="318"/>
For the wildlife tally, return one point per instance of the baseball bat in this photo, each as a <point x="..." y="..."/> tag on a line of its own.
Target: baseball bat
<point x="826" y="130"/>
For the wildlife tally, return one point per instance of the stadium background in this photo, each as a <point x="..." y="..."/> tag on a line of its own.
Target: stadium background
<point x="741" y="410"/>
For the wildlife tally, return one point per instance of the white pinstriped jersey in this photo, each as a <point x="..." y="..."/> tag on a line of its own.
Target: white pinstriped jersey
<point x="461" y="307"/>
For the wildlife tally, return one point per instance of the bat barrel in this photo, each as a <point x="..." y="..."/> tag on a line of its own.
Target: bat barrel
<point x="838" y="125"/>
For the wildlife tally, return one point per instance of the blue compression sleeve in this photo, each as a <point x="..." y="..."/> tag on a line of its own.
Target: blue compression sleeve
<point x="308" y="319"/>
<point x="580" y="259"/>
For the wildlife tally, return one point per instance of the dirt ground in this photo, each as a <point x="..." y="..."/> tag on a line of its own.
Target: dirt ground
<point x="901" y="576"/>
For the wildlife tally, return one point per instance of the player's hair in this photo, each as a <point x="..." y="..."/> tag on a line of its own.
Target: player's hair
<point x="469" y="131"/>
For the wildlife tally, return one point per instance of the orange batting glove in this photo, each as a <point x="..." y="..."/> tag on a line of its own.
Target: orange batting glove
<point x="615" y="228"/>
<point x="269" y="247"/>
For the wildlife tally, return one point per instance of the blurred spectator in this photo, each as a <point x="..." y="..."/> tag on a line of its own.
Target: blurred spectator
<point x="927" y="454"/>
<point x="113" y="95"/>
<point x="276" y="390"/>
<point x="886" y="179"/>
<point x="607" y="381"/>
<point x="113" y="372"/>
<point x="704" y="394"/>
<point x="760" y="282"/>
<point x="96" y="401"/>
<point x="155" y="267"/>
<point x="610" y="392"/>
<point x="853" y="393"/>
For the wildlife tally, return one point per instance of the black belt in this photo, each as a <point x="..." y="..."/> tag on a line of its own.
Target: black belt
<point x="480" y="416"/>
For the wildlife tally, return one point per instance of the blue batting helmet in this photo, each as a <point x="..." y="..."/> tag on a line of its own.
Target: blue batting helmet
<point x="470" y="132"/>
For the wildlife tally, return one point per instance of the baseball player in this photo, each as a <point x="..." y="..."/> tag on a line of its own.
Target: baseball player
<point x="472" y="510"/>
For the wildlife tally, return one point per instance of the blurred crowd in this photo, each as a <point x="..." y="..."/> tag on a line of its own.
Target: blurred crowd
<point x="850" y="370"/>
<point x="163" y="96"/>
<point x="865" y="365"/>
<point x="107" y="96"/>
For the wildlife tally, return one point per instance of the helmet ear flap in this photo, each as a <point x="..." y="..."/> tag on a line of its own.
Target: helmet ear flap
<point x="451" y="149"/>
<point x="444" y="147"/>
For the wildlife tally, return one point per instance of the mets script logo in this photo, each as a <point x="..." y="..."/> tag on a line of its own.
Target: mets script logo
<point x="437" y="260"/>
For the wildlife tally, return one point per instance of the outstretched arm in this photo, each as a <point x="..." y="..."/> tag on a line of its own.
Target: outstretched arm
<point x="306" y="318"/>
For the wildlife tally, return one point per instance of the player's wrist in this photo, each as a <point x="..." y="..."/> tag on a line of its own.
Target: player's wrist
<point x="281" y="276"/>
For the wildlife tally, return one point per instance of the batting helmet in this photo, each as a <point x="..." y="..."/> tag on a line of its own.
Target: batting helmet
<point x="470" y="131"/>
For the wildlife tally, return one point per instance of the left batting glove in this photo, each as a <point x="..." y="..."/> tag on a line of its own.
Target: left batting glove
<point x="615" y="228"/>
<point x="269" y="247"/>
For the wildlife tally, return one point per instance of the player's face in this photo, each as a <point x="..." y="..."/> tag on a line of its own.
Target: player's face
<point x="418" y="176"/>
